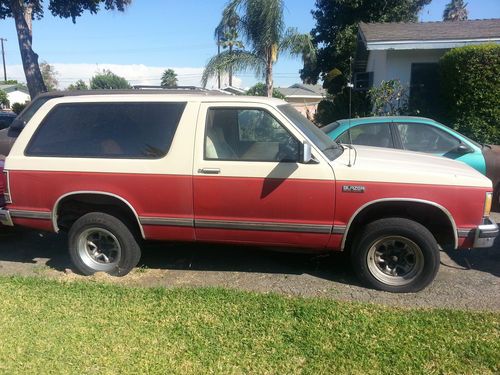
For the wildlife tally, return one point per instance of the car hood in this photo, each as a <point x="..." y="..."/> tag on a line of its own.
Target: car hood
<point x="388" y="165"/>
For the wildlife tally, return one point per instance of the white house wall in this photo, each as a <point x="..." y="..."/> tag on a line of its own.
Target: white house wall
<point x="18" y="97"/>
<point x="398" y="64"/>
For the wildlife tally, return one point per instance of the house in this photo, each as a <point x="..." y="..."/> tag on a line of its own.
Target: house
<point x="410" y="52"/>
<point x="304" y="98"/>
<point x="16" y="93"/>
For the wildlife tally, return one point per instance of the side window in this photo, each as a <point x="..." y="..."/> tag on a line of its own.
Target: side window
<point x="377" y="135"/>
<point x="248" y="135"/>
<point x="107" y="130"/>
<point x="426" y="138"/>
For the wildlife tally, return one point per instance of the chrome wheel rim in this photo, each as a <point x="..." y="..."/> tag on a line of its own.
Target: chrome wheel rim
<point x="99" y="249"/>
<point x="395" y="260"/>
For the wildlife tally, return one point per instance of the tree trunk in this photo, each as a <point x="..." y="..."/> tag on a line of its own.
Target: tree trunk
<point x="22" y="17"/>
<point x="269" y="77"/>
<point x="230" y="68"/>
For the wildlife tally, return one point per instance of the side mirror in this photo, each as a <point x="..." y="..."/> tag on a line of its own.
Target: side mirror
<point x="463" y="149"/>
<point x="306" y="155"/>
<point x="17" y="124"/>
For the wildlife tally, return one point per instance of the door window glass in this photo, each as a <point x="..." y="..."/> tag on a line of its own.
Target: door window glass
<point x="426" y="138"/>
<point x="249" y="135"/>
<point x="377" y="135"/>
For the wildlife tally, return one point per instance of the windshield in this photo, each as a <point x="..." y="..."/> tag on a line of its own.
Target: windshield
<point x="331" y="149"/>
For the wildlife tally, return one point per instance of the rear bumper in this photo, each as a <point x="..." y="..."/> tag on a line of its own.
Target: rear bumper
<point x="5" y="218"/>
<point x="485" y="234"/>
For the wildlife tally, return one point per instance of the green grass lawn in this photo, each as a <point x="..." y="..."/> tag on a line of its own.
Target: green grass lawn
<point x="95" y="328"/>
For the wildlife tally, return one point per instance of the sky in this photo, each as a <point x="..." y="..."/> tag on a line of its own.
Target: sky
<point x="152" y="35"/>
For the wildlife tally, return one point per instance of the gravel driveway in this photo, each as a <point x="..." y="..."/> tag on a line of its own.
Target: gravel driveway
<point x="466" y="280"/>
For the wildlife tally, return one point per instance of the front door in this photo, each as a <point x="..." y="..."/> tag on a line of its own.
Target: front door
<point x="249" y="186"/>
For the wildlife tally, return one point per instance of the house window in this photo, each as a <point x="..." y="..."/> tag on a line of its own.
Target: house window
<point x="424" y="88"/>
<point x="363" y="81"/>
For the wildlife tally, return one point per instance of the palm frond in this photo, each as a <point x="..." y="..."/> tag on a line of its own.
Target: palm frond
<point x="239" y="61"/>
<point x="297" y="44"/>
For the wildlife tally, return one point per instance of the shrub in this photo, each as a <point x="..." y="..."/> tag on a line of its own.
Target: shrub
<point x="259" y="89"/>
<point x="470" y="84"/>
<point x="337" y="107"/>
<point x="18" y="107"/>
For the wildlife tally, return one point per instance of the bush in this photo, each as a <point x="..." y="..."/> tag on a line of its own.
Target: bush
<point x="337" y="107"/>
<point x="470" y="84"/>
<point x="18" y="107"/>
<point x="259" y="89"/>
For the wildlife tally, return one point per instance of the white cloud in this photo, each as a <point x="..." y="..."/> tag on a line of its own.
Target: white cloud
<point x="136" y="74"/>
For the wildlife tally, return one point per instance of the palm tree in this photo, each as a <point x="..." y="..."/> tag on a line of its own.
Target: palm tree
<point x="456" y="10"/>
<point x="261" y="24"/>
<point x="169" y="78"/>
<point x="226" y="34"/>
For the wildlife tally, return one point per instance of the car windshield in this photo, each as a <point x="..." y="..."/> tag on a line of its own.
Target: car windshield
<point x="331" y="149"/>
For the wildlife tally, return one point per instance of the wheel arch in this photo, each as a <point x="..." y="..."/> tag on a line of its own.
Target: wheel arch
<point x="62" y="198"/>
<point x="400" y="204"/>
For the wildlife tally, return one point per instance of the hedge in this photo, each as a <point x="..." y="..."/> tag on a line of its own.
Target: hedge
<point x="470" y="83"/>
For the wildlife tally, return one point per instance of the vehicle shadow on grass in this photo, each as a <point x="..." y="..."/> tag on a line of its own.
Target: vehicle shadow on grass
<point x="25" y="248"/>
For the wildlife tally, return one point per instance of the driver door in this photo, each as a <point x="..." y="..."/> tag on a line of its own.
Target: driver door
<point x="249" y="186"/>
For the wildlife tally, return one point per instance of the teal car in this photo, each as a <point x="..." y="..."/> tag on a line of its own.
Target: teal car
<point x="421" y="135"/>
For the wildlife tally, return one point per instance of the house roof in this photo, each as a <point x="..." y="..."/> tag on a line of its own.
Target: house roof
<point x="14" y="87"/>
<point x="428" y="35"/>
<point x="299" y="90"/>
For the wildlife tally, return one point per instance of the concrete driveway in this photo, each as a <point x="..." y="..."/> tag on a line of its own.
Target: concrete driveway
<point x="466" y="280"/>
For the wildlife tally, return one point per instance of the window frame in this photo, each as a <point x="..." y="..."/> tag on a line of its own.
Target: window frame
<point x="244" y="108"/>
<point x="108" y="157"/>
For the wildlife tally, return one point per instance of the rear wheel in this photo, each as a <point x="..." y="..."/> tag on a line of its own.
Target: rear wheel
<point x="99" y="242"/>
<point x="396" y="255"/>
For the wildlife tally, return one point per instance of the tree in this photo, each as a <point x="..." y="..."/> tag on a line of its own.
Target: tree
<point x="169" y="78"/>
<point x="25" y="11"/>
<point x="259" y="89"/>
<point x="78" y="85"/>
<point x="107" y="80"/>
<point x="227" y="36"/>
<point x="261" y="24"/>
<point x="389" y="99"/>
<point x="4" y="100"/>
<point x="455" y="10"/>
<point x="49" y="76"/>
<point x="336" y="32"/>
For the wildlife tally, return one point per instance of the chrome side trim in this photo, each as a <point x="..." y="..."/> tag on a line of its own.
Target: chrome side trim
<point x="25" y="214"/>
<point x="56" y="205"/>
<point x="250" y="225"/>
<point x="178" y="222"/>
<point x="463" y="233"/>
<point x="7" y="193"/>
<point x="445" y="211"/>
<point x="338" y="229"/>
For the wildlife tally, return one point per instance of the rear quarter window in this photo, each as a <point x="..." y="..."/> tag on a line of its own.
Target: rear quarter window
<point x="107" y="130"/>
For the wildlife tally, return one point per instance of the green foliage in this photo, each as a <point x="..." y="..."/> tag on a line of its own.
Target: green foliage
<point x="389" y="99"/>
<point x="49" y="76"/>
<point x="455" y="10"/>
<point x="470" y="80"/>
<point x="336" y="30"/>
<point x="4" y="100"/>
<point x="78" y="85"/>
<point x="18" y="107"/>
<point x="169" y="78"/>
<point x="107" y="80"/>
<point x="259" y="89"/>
<point x="9" y="82"/>
<point x="337" y="107"/>
<point x="88" y="327"/>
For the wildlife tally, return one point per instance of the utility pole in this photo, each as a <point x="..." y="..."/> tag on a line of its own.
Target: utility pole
<point x="3" y="59"/>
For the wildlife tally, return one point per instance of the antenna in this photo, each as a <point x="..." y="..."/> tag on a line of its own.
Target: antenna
<point x="350" y="86"/>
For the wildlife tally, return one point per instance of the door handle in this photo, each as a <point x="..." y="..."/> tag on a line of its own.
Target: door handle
<point x="209" y="170"/>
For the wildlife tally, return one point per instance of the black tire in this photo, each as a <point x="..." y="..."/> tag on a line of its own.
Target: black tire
<point x="396" y="255"/>
<point x="99" y="242"/>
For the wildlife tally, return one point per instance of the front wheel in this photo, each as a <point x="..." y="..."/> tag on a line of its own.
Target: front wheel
<point x="396" y="255"/>
<point x="99" y="242"/>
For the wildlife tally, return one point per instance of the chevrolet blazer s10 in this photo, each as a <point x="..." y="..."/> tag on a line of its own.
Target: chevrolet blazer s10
<point x="113" y="169"/>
